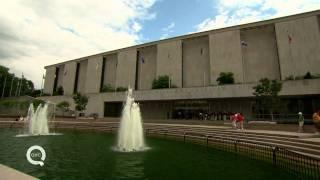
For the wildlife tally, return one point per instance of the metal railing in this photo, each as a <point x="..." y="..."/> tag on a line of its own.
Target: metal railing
<point x="298" y="164"/>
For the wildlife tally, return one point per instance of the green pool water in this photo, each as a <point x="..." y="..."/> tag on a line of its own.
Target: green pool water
<point x="84" y="155"/>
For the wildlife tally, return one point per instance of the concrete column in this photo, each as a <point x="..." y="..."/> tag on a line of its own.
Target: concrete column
<point x="110" y="70"/>
<point x="169" y="61"/>
<point x="126" y="69"/>
<point x="93" y="74"/>
<point x="49" y="80"/>
<point x="147" y="62"/>
<point x="225" y="55"/>
<point x="302" y="53"/>
<point x="196" y="62"/>
<point x="260" y="55"/>
<point x="69" y="77"/>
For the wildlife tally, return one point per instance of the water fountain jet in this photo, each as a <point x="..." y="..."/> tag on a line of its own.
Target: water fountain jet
<point x="130" y="134"/>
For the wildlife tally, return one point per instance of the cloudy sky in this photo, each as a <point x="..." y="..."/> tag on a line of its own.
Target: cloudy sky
<point x="35" y="33"/>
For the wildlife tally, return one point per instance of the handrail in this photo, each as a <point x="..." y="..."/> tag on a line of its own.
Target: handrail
<point x="299" y="164"/>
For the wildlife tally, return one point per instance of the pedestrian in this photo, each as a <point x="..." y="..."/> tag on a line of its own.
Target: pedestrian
<point x="234" y="121"/>
<point x="240" y="120"/>
<point x="301" y="122"/>
<point x="316" y="121"/>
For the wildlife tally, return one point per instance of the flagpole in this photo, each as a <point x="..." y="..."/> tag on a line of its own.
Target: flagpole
<point x="17" y="88"/>
<point x="20" y="85"/>
<point x="11" y="86"/>
<point x="42" y="85"/>
<point x="140" y="76"/>
<point x="4" y="86"/>
<point x="204" y="79"/>
<point x="170" y="81"/>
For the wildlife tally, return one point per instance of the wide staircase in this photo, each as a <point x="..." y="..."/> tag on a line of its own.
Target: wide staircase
<point x="305" y="143"/>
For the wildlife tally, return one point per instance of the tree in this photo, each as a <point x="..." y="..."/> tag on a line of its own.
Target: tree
<point x="266" y="93"/>
<point x="81" y="102"/>
<point x="64" y="106"/>
<point x="13" y="84"/>
<point x="161" y="82"/>
<point x="225" y="78"/>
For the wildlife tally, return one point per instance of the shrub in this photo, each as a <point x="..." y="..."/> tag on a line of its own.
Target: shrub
<point x="107" y="88"/>
<point x="291" y="77"/>
<point x="225" y="78"/>
<point x="162" y="82"/>
<point x="81" y="101"/>
<point x="121" y="89"/>
<point x="307" y="75"/>
<point x="60" y="90"/>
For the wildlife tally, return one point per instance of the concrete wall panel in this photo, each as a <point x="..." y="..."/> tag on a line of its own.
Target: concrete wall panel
<point x="126" y="69"/>
<point x="169" y="61"/>
<point x="60" y="76"/>
<point x="195" y="62"/>
<point x="49" y="80"/>
<point x="110" y="70"/>
<point x="303" y="53"/>
<point x="81" y="88"/>
<point x="260" y="56"/>
<point x="69" y="77"/>
<point x="225" y="55"/>
<point x="93" y="74"/>
<point x="147" y="67"/>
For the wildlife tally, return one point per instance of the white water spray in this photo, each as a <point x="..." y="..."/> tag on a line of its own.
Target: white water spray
<point x="130" y="135"/>
<point x="37" y="121"/>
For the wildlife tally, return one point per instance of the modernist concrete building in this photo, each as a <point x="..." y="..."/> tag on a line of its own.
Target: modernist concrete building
<point x="275" y="49"/>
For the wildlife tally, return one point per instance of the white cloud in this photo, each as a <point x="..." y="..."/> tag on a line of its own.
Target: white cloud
<point x="167" y="30"/>
<point x="38" y="33"/>
<point x="234" y="12"/>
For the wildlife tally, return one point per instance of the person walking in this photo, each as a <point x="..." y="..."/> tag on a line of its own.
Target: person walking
<point x="240" y="118"/>
<point x="316" y="121"/>
<point x="301" y="122"/>
<point x="234" y="121"/>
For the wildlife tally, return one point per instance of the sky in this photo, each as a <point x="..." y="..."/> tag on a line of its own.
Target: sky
<point x="36" y="33"/>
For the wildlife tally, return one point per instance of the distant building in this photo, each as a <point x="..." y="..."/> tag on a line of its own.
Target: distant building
<point x="282" y="49"/>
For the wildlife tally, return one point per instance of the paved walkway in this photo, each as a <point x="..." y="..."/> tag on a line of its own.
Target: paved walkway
<point x="7" y="173"/>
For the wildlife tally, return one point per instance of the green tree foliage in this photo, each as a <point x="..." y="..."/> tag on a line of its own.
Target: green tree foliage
<point x="161" y="82"/>
<point x="107" y="88"/>
<point x="27" y="86"/>
<point x="225" y="78"/>
<point x="266" y="93"/>
<point x="64" y="106"/>
<point x="59" y="91"/>
<point x="121" y="89"/>
<point x="81" y="101"/>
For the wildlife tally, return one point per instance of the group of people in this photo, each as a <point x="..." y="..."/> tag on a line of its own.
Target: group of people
<point x="315" y="118"/>
<point x="237" y="121"/>
<point x="201" y="115"/>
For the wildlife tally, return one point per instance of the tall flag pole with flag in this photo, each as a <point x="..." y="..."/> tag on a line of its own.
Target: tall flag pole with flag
<point x="20" y="85"/>
<point x="4" y="86"/>
<point x="142" y="62"/>
<point x="41" y="92"/>
<point x="11" y="86"/>
<point x="244" y="44"/>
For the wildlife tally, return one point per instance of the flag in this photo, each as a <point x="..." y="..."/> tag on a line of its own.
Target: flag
<point x="243" y="43"/>
<point x="142" y="60"/>
<point x="289" y="39"/>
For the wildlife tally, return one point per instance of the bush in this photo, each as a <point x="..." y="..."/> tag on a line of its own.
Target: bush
<point x="162" y="82"/>
<point x="307" y="76"/>
<point x="81" y="101"/>
<point x="225" y="78"/>
<point x="107" y="88"/>
<point x="291" y="77"/>
<point x="121" y="89"/>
